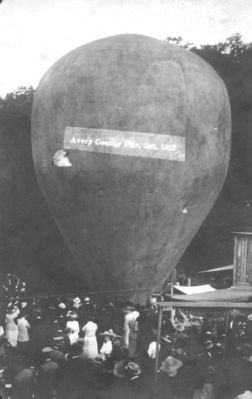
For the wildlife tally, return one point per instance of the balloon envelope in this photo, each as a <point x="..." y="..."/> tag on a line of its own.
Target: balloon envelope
<point x="131" y="144"/>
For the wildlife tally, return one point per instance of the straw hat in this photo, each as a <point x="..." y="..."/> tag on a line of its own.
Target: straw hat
<point x="167" y="338"/>
<point x="58" y="338"/>
<point x="132" y="368"/>
<point x="110" y="333"/>
<point x="171" y="365"/>
<point x="46" y="349"/>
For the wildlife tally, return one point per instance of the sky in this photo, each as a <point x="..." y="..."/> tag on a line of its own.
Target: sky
<point x="35" y="33"/>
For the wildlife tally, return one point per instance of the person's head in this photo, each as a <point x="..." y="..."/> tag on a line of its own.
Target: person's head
<point x="134" y="315"/>
<point x="72" y="315"/>
<point x="91" y="317"/>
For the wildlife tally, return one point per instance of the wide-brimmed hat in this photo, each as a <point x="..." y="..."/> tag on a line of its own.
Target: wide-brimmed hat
<point x="58" y="338"/>
<point x="110" y="333"/>
<point x="167" y="338"/>
<point x="46" y="349"/>
<point x="132" y="368"/>
<point x="62" y="305"/>
<point x="171" y="365"/>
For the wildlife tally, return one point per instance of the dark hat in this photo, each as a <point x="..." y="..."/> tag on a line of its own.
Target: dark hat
<point x="133" y="368"/>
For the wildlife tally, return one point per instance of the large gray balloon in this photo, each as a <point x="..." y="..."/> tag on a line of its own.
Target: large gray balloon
<point x="147" y="126"/>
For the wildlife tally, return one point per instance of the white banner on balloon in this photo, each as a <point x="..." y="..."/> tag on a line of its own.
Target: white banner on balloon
<point x="126" y="143"/>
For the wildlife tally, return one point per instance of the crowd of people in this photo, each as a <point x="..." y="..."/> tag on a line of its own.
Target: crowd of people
<point x="40" y="338"/>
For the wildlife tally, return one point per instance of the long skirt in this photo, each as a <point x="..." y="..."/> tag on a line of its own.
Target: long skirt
<point x="12" y="336"/>
<point x="90" y="348"/>
<point x="132" y="347"/>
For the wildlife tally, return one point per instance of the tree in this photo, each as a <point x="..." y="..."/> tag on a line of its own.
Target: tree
<point x="178" y="41"/>
<point x="16" y="106"/>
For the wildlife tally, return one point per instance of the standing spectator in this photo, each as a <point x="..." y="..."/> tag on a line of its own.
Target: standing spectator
<point x="90" y="347"/>
<point x="133" y="334"/>
<point x="126" y="330"/>
<point x="23" y="337"/>
<point x="73" y="327"/>
<point x="11" y="327"/>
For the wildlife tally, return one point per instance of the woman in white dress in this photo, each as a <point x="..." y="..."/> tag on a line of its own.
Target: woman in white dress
<point x="90" y="347"/>
<point x="11" y="327"/>
<point x="73" y="327"/>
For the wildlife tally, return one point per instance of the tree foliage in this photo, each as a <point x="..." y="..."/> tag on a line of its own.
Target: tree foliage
<point x="16" y="106"/>
<point x="232" y="59"/>
<point x="178" y="41"/>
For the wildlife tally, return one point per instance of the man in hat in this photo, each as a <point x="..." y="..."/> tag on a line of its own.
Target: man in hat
<point x="171" y="365"/>
<point x="77" y="304"/>
<point x="130" y="370"/>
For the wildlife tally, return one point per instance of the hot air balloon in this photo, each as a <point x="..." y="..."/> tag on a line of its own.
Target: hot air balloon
<point x="131" y="145"/>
